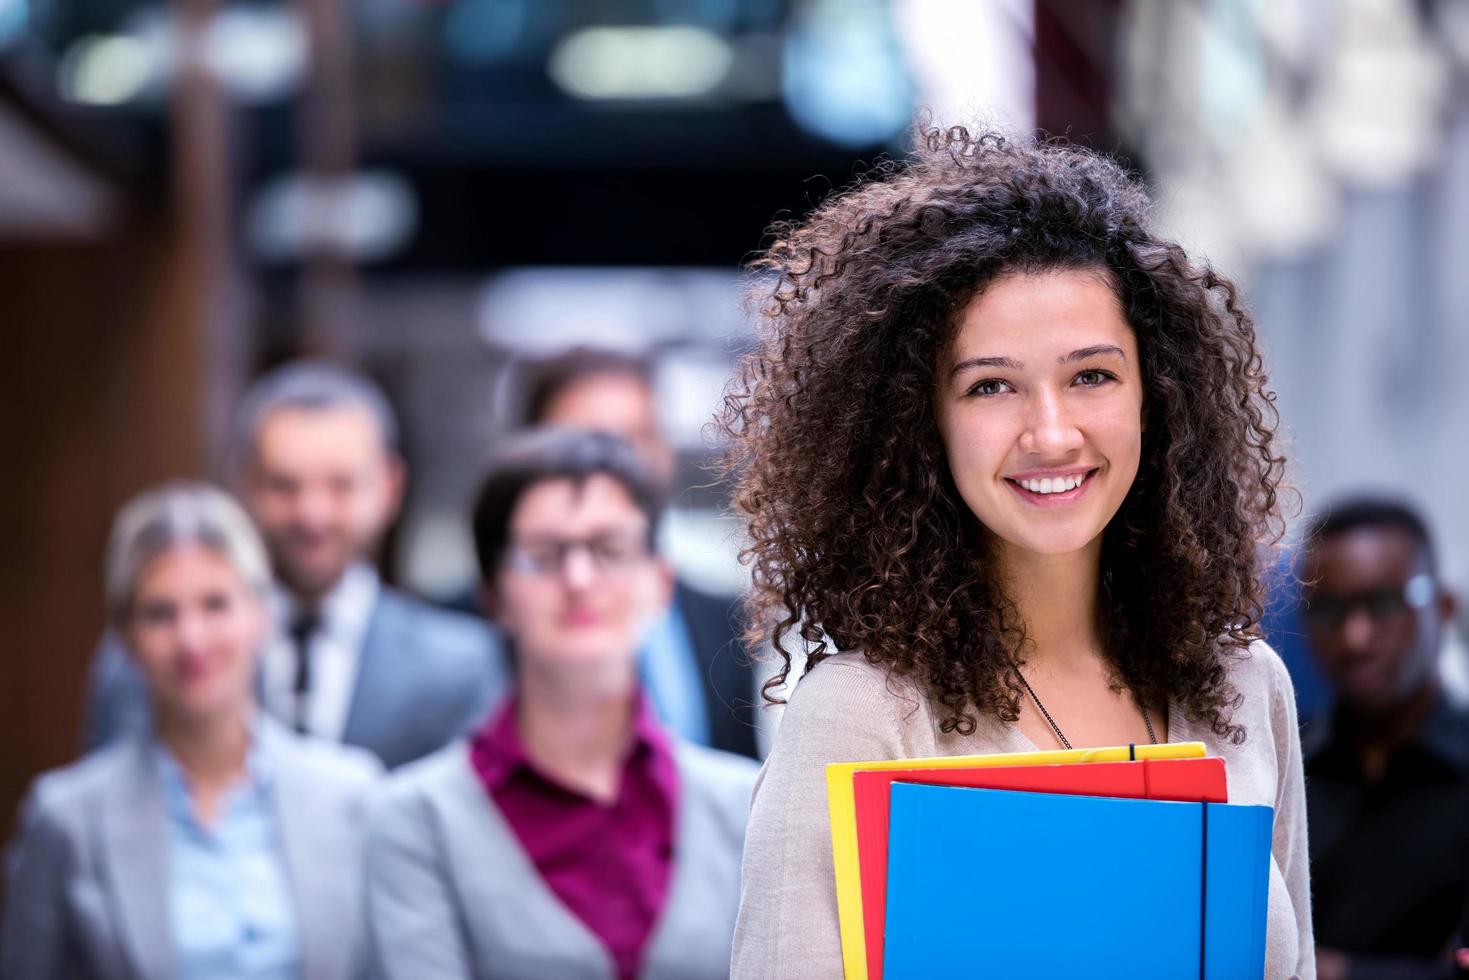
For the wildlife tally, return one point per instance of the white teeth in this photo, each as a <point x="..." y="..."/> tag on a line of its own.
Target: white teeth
<point x="1053" y="484"/>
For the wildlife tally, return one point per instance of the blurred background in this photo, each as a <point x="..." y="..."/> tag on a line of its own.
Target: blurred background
<point x="439" y="191"/>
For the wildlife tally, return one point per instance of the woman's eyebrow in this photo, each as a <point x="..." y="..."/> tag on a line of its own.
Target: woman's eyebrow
<point x="1014" y="365"/>
<point x="986" y="362"/>
<point x="1093" y="351"/>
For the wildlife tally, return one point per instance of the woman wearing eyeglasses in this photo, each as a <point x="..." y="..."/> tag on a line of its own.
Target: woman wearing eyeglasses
<point x="571" y="836"/>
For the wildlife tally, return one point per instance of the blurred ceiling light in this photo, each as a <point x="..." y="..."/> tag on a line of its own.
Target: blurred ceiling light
<point x="13" y="17"/>
<point x="972" y="61"/>
<point x="640" y="62"/>
<point x="844" y="75"/>
<point x="365" y="217"/>
<point x="258" y="53"/>
<point x="107" y="70"/>
<point x="537" y="310"/>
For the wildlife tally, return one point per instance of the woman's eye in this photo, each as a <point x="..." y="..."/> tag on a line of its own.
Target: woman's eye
<point x="987" y="387"/>
<point x="155" y="614"/>
<point x="1093" y="378"/>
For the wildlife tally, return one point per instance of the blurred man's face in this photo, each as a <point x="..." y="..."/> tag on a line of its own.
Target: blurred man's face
<point x="621" y="405"/>
<point x="323" y="487"/>
<point x="1374" y="617"/>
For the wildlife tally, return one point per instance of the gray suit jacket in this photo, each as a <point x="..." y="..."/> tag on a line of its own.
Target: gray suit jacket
<point x="452" y="894"/>
<point x="87" y="874"/>
<point x="426" y="677"/>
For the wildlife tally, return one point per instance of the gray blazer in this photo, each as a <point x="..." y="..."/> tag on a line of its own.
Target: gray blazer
<point x="452" y="894"/>
<point x="87" y="873"/>
<point x="426" y="677"/>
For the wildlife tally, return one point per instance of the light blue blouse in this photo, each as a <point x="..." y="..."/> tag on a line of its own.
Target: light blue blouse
<point x="231" y="913"/>
<point x="670" y="675"/>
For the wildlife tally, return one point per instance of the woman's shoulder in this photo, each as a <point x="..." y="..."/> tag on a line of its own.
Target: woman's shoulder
<point x="414" y="789"/>
<point x="1265" y="711"/>
<point x="67" y="795"/>
<point x="1260" y="677"/>
<point x="719" y="785"/>
<point x="848" y="679"/>
<point x="846" y="708"/>
<point x="714" y="770"/>
<point x="326" y="764"/>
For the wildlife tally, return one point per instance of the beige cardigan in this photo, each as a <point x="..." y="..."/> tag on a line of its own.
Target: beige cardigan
<point x="846" y="710"/>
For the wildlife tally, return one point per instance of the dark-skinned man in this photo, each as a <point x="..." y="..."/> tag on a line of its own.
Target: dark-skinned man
<point x="1387" y="766"/>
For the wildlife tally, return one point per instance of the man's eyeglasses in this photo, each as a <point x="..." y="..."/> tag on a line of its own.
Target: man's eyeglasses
<point x="548" y="556"/>
<point x="1380" y="605"/>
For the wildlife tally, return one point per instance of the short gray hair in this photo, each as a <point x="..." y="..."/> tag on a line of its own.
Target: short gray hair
<point x="178" y="514"/>
<point x="312" y="384"/>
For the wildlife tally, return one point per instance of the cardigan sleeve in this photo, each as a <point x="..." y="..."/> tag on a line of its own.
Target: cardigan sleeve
<point x="1289" y="839"/>
<point x="842" y="711"/>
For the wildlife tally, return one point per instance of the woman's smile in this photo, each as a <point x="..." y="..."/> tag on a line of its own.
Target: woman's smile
<point x="1050" y="492"/>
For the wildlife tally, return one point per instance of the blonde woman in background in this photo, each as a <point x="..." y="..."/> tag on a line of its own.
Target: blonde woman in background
<point x="219" y="843"/>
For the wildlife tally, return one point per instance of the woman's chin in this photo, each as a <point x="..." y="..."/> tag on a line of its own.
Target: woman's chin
<point x="586" y="648"/>
<point x="203" y="700"/>
<point x="1051" y="545"/>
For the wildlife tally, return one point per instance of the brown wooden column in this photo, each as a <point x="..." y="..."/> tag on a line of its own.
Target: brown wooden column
<point x="328" y="297"/>
<point x="122" y="357"/>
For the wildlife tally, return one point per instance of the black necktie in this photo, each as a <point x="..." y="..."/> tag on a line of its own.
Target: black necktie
<point x="303" y="628"/>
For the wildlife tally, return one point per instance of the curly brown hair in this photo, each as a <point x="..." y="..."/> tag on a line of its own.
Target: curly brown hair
<point x="859" y="539"/>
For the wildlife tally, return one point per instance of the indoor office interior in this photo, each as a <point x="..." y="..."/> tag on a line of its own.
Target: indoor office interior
<point x="445" y="196"/>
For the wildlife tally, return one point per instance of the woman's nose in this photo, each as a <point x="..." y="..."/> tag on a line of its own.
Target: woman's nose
<point x="577" y="567"/>
<point x="1050" y="431"/>
<point x="189" y="630"/>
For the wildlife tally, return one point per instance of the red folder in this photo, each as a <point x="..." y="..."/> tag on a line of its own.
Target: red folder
<point x="1184" y="780"/>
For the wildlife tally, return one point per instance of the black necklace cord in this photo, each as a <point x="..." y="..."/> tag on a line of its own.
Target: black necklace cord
<point x="1147" y="719"/>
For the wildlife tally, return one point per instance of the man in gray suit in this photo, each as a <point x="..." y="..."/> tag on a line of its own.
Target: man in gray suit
<point x="352" y="659"/>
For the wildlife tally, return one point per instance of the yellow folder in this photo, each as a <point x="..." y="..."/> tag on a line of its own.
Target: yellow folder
<point x="841" y="801"/>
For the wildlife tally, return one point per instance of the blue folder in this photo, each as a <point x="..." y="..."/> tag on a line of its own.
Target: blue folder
<point x="995" y="883"/>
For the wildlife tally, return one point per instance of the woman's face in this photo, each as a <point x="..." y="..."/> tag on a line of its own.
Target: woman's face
<point x="1039" y="405"/>
<point x="579" y="586"/>
<point x="195" y="630"/>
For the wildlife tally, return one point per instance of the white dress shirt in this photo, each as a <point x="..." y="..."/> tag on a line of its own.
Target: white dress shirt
<point x="335" y="650"/>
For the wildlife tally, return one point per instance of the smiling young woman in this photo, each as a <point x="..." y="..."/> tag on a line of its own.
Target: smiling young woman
<point x="1007" y="458"/>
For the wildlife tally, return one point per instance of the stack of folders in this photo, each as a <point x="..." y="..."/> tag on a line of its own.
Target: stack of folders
<point x="1118" y="862"/>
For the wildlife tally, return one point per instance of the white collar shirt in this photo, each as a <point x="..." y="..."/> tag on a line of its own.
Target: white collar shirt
<point x="334" y="650"/>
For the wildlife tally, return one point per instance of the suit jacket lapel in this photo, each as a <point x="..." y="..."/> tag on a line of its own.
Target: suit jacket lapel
<point x="135" y="853"/>
<point x="369" y="717"/>
<point x="310" y="839"/>
<point x="725" y="675"/>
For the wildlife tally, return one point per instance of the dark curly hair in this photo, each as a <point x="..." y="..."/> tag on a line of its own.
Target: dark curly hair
<point x="859" y="538"/>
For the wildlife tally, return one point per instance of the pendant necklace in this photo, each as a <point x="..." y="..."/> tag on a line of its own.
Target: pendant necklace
<point x="1147" y="720"/>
